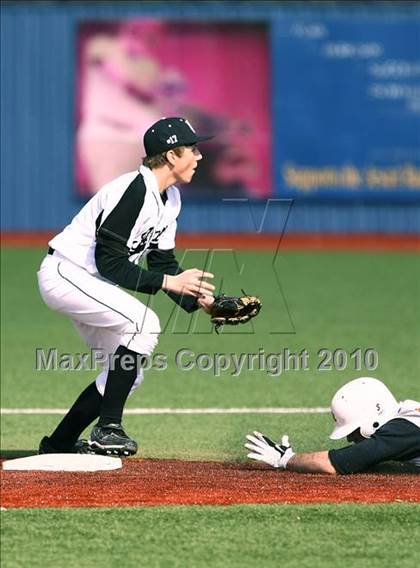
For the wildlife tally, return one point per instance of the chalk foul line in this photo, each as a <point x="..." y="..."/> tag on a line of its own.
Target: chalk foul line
<point x="239" y="410"/>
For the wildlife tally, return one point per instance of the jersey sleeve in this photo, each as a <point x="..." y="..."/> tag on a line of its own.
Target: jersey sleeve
<point x="165" y="262"/>
<point x="398" y="439"/>
<point x="111" y="250"/>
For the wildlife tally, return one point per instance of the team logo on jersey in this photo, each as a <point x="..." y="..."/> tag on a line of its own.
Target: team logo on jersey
<point x="148" y="240"/>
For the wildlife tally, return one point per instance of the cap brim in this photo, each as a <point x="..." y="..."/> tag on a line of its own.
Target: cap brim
<point x="342" y="431"/>
<point x="204" y="138"/>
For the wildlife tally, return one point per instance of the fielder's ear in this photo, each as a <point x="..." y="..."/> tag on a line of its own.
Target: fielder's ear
<point x="171" y="157"/>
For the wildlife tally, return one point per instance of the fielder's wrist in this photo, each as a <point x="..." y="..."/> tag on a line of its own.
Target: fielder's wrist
<point x="166" y="282"/>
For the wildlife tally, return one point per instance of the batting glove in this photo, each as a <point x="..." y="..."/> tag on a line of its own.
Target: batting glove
<point x="266" y="450"/>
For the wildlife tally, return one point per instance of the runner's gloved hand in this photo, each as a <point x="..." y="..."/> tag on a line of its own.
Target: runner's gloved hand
<point x="266" y="450"/>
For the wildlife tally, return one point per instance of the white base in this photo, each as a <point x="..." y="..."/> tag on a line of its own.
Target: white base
<point x="64" y="462"/>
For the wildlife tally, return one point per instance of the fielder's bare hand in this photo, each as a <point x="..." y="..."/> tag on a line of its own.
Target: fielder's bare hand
<point x="266" y="450"/>
<point x="205" y="302"/>
<point x="189" y="282"/>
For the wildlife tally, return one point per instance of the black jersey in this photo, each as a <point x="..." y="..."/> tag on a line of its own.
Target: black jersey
<point x="397" y="440"/>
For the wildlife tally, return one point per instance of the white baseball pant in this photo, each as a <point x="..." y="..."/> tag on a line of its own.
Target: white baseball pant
<point x="105" y="315"/>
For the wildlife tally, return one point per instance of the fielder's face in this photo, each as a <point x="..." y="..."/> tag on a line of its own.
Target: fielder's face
<point x="185" y="166"/>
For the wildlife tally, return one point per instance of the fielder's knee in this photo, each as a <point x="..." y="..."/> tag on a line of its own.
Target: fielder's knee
<point x="142" y="336"/>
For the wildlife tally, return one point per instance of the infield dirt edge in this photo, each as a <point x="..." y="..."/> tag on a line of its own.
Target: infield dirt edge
<point x="147" y="482"/>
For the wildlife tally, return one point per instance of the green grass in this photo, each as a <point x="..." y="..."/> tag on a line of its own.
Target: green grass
<point x="335" y="300"/>
<point x="195" y="437"/>
<point x="310" y="536"/>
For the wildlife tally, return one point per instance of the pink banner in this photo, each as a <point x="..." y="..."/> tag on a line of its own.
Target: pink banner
<point x="133" y="72"/>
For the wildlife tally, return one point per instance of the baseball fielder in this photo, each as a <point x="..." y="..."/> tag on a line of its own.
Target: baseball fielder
<point x="131" y="217"/>
<point x="367" y="413"/>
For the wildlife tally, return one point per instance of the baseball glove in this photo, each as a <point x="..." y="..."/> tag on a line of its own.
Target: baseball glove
<point x="232" y="310"/>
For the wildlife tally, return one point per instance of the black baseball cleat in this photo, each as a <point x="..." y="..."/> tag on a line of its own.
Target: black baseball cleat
<point x="81" y="446"/>
<point x="111" y="440"/>
<point x="45" y="447"/>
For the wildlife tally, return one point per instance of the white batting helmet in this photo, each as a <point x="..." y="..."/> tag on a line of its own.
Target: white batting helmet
<point x="364" y="403"/>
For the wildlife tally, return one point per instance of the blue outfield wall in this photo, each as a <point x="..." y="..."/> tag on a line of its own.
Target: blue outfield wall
<point x="38" y="121"/>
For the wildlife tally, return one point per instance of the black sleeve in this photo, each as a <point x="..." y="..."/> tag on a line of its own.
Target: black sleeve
<point x="164" y="262"/>
<point x="398" y="439"/>
<point x="111" y="251"/>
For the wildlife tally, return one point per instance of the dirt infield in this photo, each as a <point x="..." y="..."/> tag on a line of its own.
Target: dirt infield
<point x="176" y="482"/>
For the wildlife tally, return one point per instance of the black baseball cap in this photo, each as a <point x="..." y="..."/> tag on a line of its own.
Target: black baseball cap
<point x="168" y="133"/>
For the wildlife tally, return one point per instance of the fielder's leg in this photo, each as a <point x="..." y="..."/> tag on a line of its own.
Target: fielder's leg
<point x="83" y="412"/>
<point x="108" y="311"/>
<point x="108" y="435"/>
